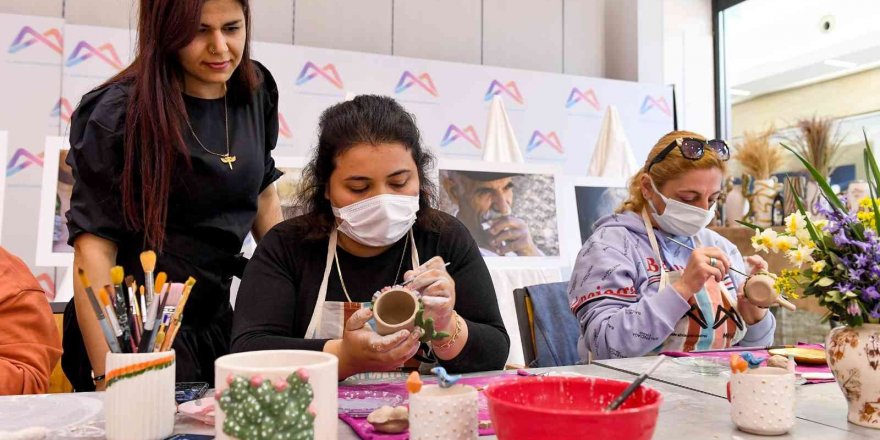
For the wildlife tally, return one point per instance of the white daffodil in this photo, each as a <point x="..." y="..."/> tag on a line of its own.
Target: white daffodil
<point x="819" y="266"/>
<point x="795" y="223"/>
<point x="800" y="255"/>
<point x="784" y="243"/>
<point x="763" y="240"/>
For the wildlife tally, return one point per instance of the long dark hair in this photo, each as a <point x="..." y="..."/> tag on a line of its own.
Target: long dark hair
<point x="156" y="112"/>
<point x="367" y="119"/>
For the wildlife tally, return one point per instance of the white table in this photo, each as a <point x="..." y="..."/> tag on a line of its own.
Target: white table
<point x="822" y="403"/>
<point x="693" y="408"/>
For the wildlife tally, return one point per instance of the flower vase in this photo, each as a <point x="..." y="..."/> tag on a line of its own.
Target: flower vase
<point x="853" y="354"/>
<point x="765" y="192"/>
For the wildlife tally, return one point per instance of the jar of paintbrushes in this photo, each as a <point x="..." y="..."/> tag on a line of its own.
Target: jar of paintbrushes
<point x="139" y="324"/>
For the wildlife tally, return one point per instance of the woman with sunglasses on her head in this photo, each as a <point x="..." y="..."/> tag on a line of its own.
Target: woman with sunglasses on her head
<point x="635" y="291"/>
<point x="173" y="154"/>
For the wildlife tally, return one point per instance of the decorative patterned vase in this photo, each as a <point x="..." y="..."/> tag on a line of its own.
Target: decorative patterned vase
<point x="854" y="356"/>
<point x="765" y="192"/>
<point x="444" y="413"/>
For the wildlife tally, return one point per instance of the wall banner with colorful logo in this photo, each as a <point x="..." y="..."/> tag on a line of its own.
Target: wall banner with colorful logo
<point x="556" y="117"/>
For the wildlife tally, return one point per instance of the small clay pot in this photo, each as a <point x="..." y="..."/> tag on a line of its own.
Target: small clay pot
<point x="394" y="310"/>
<point x="759" y="291"/>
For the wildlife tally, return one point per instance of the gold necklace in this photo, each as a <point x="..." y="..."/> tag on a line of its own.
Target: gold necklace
<point x="399" y="266"/>
<point x="225" y="158"/>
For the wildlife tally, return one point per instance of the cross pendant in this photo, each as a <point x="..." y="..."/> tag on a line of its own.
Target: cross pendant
<point x="227" y="159"/>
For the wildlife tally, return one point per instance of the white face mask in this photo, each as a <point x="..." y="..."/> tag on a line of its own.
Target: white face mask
<point x="378" y="221"/>
<point x="681" y="219"/>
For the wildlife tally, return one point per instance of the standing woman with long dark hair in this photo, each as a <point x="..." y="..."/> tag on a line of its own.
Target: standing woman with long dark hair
<point x="173" y="154"/>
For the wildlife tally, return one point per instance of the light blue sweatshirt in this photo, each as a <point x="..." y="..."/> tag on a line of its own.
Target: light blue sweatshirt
<point x="614" y="289"/>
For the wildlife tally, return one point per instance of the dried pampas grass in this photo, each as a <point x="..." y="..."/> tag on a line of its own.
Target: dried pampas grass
<point x="757" y="155"/>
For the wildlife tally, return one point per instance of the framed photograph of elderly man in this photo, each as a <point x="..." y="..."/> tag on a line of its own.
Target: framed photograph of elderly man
<point x="509" y="209"/>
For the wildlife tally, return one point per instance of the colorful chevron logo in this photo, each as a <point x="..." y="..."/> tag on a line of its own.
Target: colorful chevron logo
<point x="587" y="96"/>
<point x="22" y="159"/>
<point x="62" y="110"/>
<point x="408" y="79"/>
<point x="84" y="51"/>
<point x="310" y="70"/>
<point x="283" y="128"/>
<point x="29" y="36"/>
<point x="655" y="103"/>
<point x="510" y="89"/>
<point x="551" y="139"/>
<point x="453" y="133"/>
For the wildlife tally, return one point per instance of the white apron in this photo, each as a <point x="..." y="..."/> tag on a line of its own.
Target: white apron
<point x="712" y="321"/>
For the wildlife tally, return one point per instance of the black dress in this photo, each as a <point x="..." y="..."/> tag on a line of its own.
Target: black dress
<point x="211" y="210"/>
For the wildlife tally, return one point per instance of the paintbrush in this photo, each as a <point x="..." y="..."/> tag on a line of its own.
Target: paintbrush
<point x="159" y="303"/>
<point x="636" y="383"/>
<point x="123" y="306"/>
<point x="135" y="308"/>
<point x="688" y="247"/>
<point x="148" y="262"/>
<point x="104" y="297"/>
<point x="178" y="313"/>
<point x="102" y="321"/>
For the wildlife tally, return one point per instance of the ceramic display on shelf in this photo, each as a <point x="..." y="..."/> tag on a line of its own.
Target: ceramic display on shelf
<point x="764" y="194"/>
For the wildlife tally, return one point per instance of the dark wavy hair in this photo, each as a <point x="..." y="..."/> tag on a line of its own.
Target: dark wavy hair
<point x="156" y="112"/>
<point x="367" y="119"/>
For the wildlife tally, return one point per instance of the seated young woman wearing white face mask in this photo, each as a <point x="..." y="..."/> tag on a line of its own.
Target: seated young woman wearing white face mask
<point x="368" y="224"/>
<point x="637" y="292"/>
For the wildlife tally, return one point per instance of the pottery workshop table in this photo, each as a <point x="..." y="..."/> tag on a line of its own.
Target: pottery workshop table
<point x="821" y="403"/>
<point x="689" y="410"/>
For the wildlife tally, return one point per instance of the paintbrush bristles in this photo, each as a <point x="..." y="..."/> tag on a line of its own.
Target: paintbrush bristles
<point x="117" y="274"/>
<point x="148" y="261"/>
<point x="102" y="295"/>
<point x="83" y="277"/>
<point x="161" y="278"/>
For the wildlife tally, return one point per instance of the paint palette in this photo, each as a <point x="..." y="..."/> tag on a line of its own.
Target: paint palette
<point x="813" y="356"/>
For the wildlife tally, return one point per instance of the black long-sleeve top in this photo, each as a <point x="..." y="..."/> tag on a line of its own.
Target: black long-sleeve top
<point x="279" y="290"/>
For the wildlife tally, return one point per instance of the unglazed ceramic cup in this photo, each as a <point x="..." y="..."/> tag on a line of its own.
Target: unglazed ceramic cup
<point x="759" y="291"/>
<point x="395" y="310"/>
<point x="762" y="400"/>
<point x="278" y="365"/>
<point x="139" y="403"/>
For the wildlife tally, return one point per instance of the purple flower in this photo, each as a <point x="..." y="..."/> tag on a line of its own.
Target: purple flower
<point x="855" y="274"/>
<point x="875" y="312"/>
<point x="870" y="293"/>
<point x="840" y="238"/>
<point x="861" y="260"/>
<point x="843" y="287"/>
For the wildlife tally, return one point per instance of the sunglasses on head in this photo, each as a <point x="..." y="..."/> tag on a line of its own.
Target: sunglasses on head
<point x="694" y="149"/>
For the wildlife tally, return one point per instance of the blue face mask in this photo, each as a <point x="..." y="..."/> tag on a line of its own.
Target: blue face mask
<point x="681" y="219"/>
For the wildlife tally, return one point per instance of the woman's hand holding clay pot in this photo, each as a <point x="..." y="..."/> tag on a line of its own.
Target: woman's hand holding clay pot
<point x="437" y="288"/>
<point x="361" y="349"/>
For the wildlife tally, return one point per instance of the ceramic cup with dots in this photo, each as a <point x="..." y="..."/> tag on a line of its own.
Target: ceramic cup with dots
<point x="762" y="401"/>
<point x="443" y="413"/>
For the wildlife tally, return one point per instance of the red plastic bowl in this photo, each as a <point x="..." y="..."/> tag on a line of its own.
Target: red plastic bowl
<point x="532" y="408"/>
